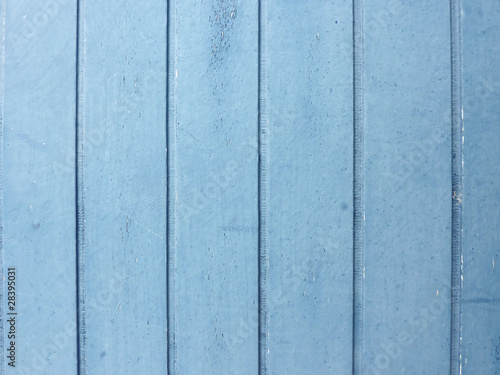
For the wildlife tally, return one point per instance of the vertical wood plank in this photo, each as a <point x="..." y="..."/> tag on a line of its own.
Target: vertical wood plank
<point x="408" y="187"/>
<point x="481" y="225"/>
<point x="38" y="125"/>
<point x="215" y="240"/>
<point x="123" y="124"/>
<point x="310" y="174"/>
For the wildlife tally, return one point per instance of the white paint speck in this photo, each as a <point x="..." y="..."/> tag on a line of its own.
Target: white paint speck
<point x="462" y="270"/>
<point x="437" y="292"/>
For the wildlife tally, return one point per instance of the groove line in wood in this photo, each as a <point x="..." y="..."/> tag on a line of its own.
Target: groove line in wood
<point x="457" y="185"/>
<point x="358" y="186"/>
<point x="80" y="190"/>
<point x="263" y="188"/>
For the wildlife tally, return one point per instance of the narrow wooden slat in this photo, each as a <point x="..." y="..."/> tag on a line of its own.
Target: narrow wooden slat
<point x="481" y="217"/>
<point x="310" y="177"/>
<point x="215" y="153"/>
<point x="38" y="228"/>
<point x="123" y="124"/>
<point x="407" y="187"/>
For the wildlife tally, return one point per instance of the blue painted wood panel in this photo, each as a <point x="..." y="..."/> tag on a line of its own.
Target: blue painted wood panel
<point x="309" y="205"/>
<point x="213" y="167"/>
<point x="250" y="187"/>
<point x="122" y="187"/>
<point x="407" y="188"/>
<point x="481" y="220"/>
<point x="37" y="87"/>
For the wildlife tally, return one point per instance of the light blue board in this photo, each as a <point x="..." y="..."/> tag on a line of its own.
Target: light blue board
<point x="38" y="226"/>
<point x="310" y="182"/>
<point x="122" y="128"/>
<point x="481" y="215"/>
<point x="213" y="182"/>
<point x="407" y="268"/>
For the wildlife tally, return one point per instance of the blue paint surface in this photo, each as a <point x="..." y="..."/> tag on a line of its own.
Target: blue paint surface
<point x="310" y="187"/>
<point x="122" y="101"/>
<point x="250" y="187"/>
<point x="481" y="116"/>
<point x="214" y="187"/>
<point x="407" y="266"/>
<point x="38" y="187"/>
